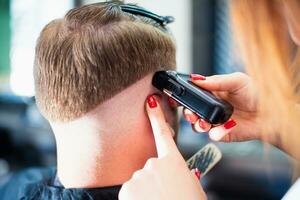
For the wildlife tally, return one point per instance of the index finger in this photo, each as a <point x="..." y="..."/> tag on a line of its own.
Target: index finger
<point x="162" y="134"/>
<point x="225" y="82"/>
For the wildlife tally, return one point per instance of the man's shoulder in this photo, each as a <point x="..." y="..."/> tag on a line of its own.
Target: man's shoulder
<point x="38" y="183"/>
<point x="15" y="185"/>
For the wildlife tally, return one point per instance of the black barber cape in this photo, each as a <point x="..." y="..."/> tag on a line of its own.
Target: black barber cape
<point x="39" y="184"/>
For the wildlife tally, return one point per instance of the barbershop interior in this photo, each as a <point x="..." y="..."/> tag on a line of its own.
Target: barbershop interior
<point x="205" y="44"/>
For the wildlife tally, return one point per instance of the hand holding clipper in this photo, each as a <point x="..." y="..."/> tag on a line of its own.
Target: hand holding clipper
<point x="202" y="102"/>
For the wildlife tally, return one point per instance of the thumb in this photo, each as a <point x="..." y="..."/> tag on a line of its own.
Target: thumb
<point x="162" y="134"/>
<point x="226" y="82"/>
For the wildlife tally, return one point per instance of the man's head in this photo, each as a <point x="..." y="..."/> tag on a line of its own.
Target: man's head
<point x="92" y="54"/>
<point x="93" y="72"/>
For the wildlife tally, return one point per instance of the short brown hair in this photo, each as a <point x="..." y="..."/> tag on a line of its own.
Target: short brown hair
<point x="92" y="54"/>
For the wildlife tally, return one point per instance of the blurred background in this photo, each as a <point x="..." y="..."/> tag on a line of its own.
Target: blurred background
<point x="248" y="170"/>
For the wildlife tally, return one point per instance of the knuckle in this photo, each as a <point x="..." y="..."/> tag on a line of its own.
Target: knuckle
<point x="217" y="80"/>
<point x="172" y="131"/>
<point x="164" y="129"/>
<point x="164" y="133"/>
<point x="167" y="137"/>
<point x="186" y="111"/>
<point x="138" y="174"/>
<point x="151" y="163"/>
<point x="214" y="77"/>
<point x="241" y="75"/>
<point x="194" y="128"/>
<point x="127" y="188"/>
<point x="197" y="127"/>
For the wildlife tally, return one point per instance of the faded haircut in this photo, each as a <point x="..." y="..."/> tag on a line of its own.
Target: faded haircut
<point x="93" y="53"/>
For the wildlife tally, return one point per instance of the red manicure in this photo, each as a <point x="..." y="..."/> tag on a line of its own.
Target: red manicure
<point x="202" y="123"/>
<point x="229" y="124"/>
<point x="191" y="118"/>
<point x="197" y="77"/>
<point x="198" y="173"/>
<point x="151" y="101"/>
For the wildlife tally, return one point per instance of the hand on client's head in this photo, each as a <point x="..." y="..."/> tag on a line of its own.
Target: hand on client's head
<point x="167" y="176"/>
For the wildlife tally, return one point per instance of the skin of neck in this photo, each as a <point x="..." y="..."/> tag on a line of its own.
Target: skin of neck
<point x="108" y="144"/>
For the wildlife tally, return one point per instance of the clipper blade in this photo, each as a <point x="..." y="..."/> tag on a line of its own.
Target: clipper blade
<point x="205" y="159"/>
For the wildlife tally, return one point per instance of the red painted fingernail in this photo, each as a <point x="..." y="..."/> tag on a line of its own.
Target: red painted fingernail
<point x="197" y="77"/>
<point x="198" y="173"/>
<point x="151" y="101"/>
<point x="188" y="118"/>
<point x="202" y="123"/>
<point x="191" y="118"/>
<point x="229" y="124"/>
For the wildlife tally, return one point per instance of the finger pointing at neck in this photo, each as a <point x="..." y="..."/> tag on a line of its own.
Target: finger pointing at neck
<point x="162" y="134"/>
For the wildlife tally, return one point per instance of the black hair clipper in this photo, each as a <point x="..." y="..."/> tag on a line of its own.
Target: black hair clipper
<point x="202" y="102"/>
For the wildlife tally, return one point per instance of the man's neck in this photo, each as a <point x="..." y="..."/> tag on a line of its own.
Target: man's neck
<point x="89" y="159"/>
<point x="107" y="144"/>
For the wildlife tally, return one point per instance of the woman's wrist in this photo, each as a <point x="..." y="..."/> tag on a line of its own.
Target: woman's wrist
<point x="267" y="132"/>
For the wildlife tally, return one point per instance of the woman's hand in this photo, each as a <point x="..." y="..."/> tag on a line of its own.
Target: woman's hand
<point x="238" y="89"/>
<point x="167" y="176"/>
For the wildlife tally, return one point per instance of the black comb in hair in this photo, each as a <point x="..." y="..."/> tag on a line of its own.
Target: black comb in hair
<point x="136" y="10"/>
